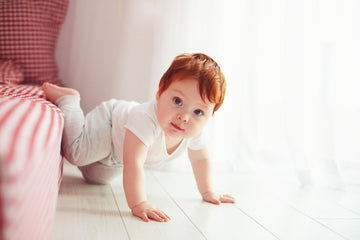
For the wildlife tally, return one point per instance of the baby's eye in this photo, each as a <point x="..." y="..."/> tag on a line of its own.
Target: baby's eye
<point x="199" y="112"/>
<point x="177" y="101"/>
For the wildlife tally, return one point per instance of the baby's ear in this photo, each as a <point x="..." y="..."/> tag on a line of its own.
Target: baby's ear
<point x="157" y="95"/>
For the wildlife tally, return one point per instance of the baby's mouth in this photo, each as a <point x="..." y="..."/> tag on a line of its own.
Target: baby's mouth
<point x="177" y="127"/>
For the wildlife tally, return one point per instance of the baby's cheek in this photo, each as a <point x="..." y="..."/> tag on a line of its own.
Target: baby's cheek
<point x="162" y="114"/>
<point x="194" y="130"/>
<point x="201" y="124"/>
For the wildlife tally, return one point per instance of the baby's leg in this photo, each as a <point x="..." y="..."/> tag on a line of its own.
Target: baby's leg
<point x="85" y="139"/>
<point x="99" y="173"/>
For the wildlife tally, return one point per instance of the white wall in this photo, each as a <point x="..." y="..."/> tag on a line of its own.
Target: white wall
<point x="105" y="48"/>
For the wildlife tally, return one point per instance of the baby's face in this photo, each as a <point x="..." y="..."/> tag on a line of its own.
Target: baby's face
<point x="180" y="110"/>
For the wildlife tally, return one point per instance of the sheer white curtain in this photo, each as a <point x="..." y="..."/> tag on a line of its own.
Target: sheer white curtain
<point x="292" y="69"/>
<point x="301" y="76"/>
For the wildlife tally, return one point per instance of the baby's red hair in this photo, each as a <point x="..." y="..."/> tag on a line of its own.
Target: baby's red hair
<point x="205" y="70"/>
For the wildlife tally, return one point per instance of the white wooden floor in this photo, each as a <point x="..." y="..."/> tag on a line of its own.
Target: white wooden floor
<point x="263" y="211"/>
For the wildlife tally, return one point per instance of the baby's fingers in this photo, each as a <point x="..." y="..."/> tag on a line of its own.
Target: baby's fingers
<point x="225" y="198"/>
<point x="164" y="216"/>
<point x="215" y="201"/>
<point x="144" y="217"/>
<point x="159" y="216"/>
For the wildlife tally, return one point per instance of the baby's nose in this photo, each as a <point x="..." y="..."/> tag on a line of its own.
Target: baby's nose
<point x="183" y="117"/>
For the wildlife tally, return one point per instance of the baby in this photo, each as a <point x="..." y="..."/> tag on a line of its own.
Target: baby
<point x="123" y="137"/>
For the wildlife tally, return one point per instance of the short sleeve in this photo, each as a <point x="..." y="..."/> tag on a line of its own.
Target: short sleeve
<point x="143" y="126"/>
<point x="198" y="142"/>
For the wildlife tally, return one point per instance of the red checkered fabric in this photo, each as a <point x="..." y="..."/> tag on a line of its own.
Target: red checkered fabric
<point x="28" y="34"/>
<point x="10" y="72"/>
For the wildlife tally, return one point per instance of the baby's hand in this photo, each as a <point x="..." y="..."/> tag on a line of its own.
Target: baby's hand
<point x="217" y="198"/>
<point x="146" y="211"/>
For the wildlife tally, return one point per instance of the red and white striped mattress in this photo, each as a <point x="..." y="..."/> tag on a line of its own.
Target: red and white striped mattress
<point x="30" y="162"/>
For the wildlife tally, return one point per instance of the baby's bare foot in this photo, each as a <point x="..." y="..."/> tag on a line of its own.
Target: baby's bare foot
<point x="53" y="92"/>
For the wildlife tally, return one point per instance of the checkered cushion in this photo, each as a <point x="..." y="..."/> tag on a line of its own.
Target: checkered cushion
<point x="10" y="72"/>
<point x="28" y="34"/>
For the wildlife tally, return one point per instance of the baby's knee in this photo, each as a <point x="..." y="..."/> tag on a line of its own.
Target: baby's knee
<point x="98" y="173"/>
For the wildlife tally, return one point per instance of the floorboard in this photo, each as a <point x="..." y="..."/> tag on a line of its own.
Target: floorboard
<point x="86" y="211"/>
<point x="283" y="220"/>
<point x="179" y="227"/>
<point x="264" y="210"/>
<point x="216" y="222"/>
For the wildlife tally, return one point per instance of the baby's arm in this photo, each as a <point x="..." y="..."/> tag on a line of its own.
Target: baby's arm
<point x="134" y="180"/>
<point x="201" y="166"/>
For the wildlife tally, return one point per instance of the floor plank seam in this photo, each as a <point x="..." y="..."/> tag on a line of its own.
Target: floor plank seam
<point x="118" y="207"/>
<point x="326" y="213"/>
<point x="312" y="218"/>
<point x="317" y="220"/>
<point x="256" y="221"/>
<point x="176" y="203"/>
<point x="348" y="209"/>
<point x="341" y="205"/>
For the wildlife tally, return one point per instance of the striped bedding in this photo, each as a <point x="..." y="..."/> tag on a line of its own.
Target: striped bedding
<point x="30" y="162"/>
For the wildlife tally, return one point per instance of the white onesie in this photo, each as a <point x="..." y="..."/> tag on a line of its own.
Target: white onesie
<point x="141" y="120"/>
<point x="95" y="142"/>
